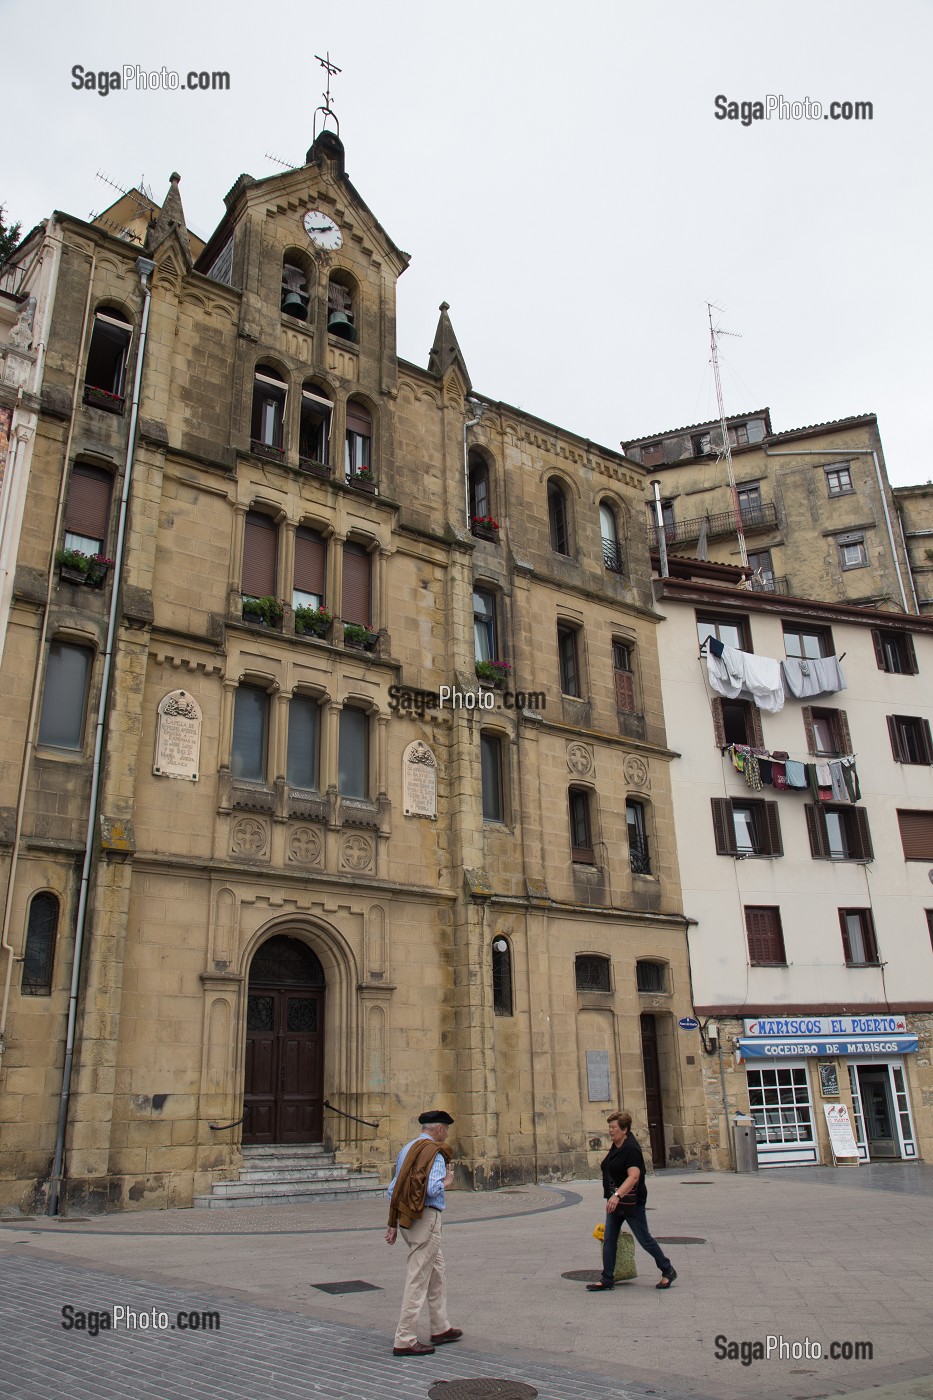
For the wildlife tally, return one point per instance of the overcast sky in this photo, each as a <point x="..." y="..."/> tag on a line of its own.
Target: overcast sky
<point x="558" y="174"/>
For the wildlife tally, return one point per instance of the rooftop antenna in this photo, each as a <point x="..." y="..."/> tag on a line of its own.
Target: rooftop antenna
<point x="143" y="200"/>
<point x="715" y="331"/>
<point x="326" y="111"/>
<point x="277" y="160"/>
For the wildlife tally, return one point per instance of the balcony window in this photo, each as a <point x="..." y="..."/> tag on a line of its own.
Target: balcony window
<point x="639" y="854"/>
<point x="746" y="828"/>
<point x="268" y="418"/>
<point x="750" y="503"/>
<point x="314" y="427"/>
<point x="557" y="518"/>
<point x="910" y="739"/>
<point x="581" y="838"/>
<point x="612" y="552"/>
<point x="894" y="652"/>
<point x="107" y="359"/>
<point x="838" y="833"/>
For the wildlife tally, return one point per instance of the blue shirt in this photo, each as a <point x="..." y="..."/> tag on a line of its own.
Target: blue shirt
<point x="435" y="1196"/>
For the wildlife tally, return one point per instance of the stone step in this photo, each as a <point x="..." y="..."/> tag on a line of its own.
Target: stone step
<point x="300" y="1150"/>
<point x="228" y="1195"/>
<point x="289" y="1171"/>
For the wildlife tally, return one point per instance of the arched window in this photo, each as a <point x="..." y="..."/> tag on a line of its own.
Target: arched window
<point x="592" y="973"/>
<point x="87" y="512"/>
<point x="295" y="296"/>
<point x="359" y="451"/>
<point x="107" y="356"/>
<point x="501" y="977"/>
<point x="639" y="853"/>
<point x="268" y="420"/>
<point x="557" y="518"/>
<point x="608" y="528"/>
<point x="480" y="499"/>
<point x="64" y="696"/>
<point x="39" y="953"/>
<point x="650" y="976"/>
<point x="491" y="761"/>
<point x="341" y="307"/>
<point x="314" y="429"/>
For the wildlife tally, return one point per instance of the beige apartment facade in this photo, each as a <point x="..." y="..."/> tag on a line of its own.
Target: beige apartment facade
<point x="311" y="887"/>
<point x="811" y="935"/>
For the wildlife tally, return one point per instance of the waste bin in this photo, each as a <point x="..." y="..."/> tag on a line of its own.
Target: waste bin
<point x="746" y="1148"/>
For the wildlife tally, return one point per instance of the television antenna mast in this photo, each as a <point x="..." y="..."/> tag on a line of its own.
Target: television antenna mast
<point x="714" y="332"/>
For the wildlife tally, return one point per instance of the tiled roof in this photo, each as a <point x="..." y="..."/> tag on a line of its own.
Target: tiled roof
<point x="691" y="427"/>
<point x="820" y="427"/>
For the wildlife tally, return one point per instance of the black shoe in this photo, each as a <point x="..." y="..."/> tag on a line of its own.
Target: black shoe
<point x="666" y="1280"/>
<point x="600" y="1287"/>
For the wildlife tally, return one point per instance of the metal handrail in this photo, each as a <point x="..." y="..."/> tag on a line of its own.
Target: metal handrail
<point x="352" y="1116"/>
<point x="222" y="1127"/>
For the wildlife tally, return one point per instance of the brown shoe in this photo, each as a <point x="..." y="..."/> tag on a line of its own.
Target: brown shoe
<point x="416" y="1349"/>
<point x="453" y="1334"/>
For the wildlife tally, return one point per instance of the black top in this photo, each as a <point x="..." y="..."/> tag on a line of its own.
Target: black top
<point x="615" y="1167"/>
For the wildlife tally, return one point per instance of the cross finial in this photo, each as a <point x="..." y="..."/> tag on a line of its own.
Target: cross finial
<point x="326" y="111"/>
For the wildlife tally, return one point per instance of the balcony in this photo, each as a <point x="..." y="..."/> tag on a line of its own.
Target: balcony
<point x="770" y="583"/>
<point x="718" y="526"/>
<point x="639" y="857"/>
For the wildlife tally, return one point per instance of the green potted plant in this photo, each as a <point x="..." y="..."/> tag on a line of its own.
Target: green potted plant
<point x="356" y="635"/>
<point x="363" y="480"/>
<point x="73" y="564"/>
<point x="484" y="527"/>
<point x="267" y="611"/>
<point x="312" y="622"/>
<point x="495" y="672"/>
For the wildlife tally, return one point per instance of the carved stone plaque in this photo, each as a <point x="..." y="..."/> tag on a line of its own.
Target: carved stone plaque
<point x="597" y="1076"/>
<point x="636" y="771"/>
<point x="419" y="780"/>
<point x="580" y="759"/>
<point x="178" y="738"/>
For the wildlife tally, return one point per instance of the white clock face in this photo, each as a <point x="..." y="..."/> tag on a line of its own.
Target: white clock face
<point x="322" y="230"/>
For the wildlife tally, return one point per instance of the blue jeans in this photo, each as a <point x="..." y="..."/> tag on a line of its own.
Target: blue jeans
<point x="637" y="1222"/>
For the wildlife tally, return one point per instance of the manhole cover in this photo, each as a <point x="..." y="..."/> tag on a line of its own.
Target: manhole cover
<point x="583" y="1275"/>
<point x="696" y="1183"/>
<point x="483" y="1388"/>
<point x="350" y="1285"/>
<point x="679" y="1239"/>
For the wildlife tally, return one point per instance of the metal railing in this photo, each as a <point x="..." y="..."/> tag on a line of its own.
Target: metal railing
<point x="612" y="557"/>
<point x="640" y="858"/>
<point x="761" y="517"/>
<point x="770" y="583"/>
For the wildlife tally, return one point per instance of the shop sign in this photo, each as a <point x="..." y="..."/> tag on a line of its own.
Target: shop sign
<point x="793" y="1047"/>
<point x="827" y="1025"/>
<point x="841" y="1137"/>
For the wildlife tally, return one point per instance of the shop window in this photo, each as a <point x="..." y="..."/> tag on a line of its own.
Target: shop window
<point x="639" y="853"/>
<point x="568" y="661"/>
<point x="894" y="652"/>
<point x="779" y="1104"/>
<point x="827" y="732"/>
<point x="858" y="937"/>
<point x="623" y="672"/>
<point x="736" y="722"/>
<point x="746" y="827"/>
<point x="557" y="518"/>
<point x="357" y="584"/>
<point x="485" y="642"/>
<point x="502" y="1003"/>
<point x="310" y="569"/>
<point x="916" y="830"/>
<point x="64" y="696"/>
<point x="910" y="739"/>
<point x="592" y="973"/>
<point x="260" y="538"/>
<point x="250" y="733"/>
<point x="314" y="427"/>
<point x="87" y="511"/>
<point x="341" y="307"/>
<point x="765" y="935"/>
<point x="839" y="480"/>
<point x="358" y="457"/>
<point x="838" y="833"/>
<point x="609" y="529"/>
<point x="731" y="631"/>
<point x="491" y="763"/>
<point x="39" y="952"/>
<point x="304" y="742"/>
<point x="650" y="976"/>
<point x="295" y="297"/>
<point x="107" y="357"/>
<point x="581" y="832"/>
<point x="852" y="551"/>
<point x="353" y="758"/>
<point x="807" y="643"/>
<point x="267" y="427"/>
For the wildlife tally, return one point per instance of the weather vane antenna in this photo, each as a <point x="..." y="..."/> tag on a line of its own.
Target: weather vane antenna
<point x="714" y="333"/>
<point x="327" y="110"/>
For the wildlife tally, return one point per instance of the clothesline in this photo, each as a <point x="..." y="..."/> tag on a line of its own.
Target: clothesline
<point x="733" y="672"/>
<point x="835" y="780"/>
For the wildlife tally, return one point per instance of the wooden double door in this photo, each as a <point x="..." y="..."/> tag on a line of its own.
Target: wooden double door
<point x="284" y="1089"/>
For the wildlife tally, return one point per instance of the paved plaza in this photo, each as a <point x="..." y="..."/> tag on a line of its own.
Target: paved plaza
<point x="809" y="1257"/>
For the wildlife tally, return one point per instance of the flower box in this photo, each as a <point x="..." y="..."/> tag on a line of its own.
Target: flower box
<point x="102" y="398"/>
<point x="313" y="622"/>
<point x="494" y="673"/>
<point x="263" y="612"/>
<point x="312" y="467"/>
<point x="361" y="482"/>
<point x="358" y="636"/>
<point x="71" y="575"/>
<point x="265" y="449"/>
<point x="77" y="567"/>
<point x="484" y="528"/>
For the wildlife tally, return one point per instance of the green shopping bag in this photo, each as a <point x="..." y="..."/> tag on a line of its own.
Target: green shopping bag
<point x="625" y="1253"/>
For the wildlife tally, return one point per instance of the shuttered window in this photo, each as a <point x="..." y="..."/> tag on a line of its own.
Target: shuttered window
<point x="916" y="834"/>
<point x="894" y="652"/>
<point x="357" y="569"/>
<point x="765" y="935"/>
<point x="310" y="561"/>
<point x="827" y="731"/>
<point x="736" y="722"/>
<point x="87" y="513"/>
<point x="624" y="677"/>
<point x="746" y="828"/>
<point x="838" y="833"/>
<point x="250" y="734"/>
<point x="39" y="953"/>
<point x="259" y="552"/>
<point x="859" y="946"/>
<point x="910" y="739"/>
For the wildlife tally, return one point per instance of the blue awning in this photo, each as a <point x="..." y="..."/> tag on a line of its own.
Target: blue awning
<point x="753" y="1047"/>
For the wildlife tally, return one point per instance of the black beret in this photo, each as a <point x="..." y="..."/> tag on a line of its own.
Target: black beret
<point x="435" y="1115"/>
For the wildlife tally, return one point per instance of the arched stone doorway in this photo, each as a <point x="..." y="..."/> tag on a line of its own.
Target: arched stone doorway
<point x="284" y="1088"/>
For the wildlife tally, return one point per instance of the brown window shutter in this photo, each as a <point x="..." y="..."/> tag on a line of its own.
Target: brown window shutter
<point x="259" y="550"/>
<point x="816" y="830"/>
<point x="911" y="653"/>
<point x="772" y="830"/>
<point x="358" y="420"/>
<point x="862" y="834"/>
<point x="310" y="552"/>
<point x="625" y="691"/>
<point x="916" y="834"/>
<point x="723" y="826"/>
<point x="879" y="649"/>
<point x="927" y="742"/>
<point x="88" y="508"/>
<point x="807" y="712"/>
<point x="868" y="930"/>
<point x="765" y="938"/>
<point x="356" y="584"/>
<point x="842" y="729"/>
<point x="895" y="738"/>
<point x="756" y="735"/>
<point x="719" y="728"/>
<point x="844" y="929"/>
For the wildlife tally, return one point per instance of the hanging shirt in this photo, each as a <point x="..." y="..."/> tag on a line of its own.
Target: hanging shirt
<point x="796" y="773"/>
<point x="820" y="675"/>
<point x="838" y="782"/>
<point x="735" y="672"/>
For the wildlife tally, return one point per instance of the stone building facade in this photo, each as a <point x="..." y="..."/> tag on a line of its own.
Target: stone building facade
<point x="914" y="506"/>
<point x="305" y="889"/>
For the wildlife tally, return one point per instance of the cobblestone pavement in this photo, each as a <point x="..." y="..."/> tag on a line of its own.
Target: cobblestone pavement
<point x="828" y="1254"/>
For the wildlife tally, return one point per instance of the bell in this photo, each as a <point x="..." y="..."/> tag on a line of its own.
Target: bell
<point x="295" y="304"/>
<point x="339" y="323"/>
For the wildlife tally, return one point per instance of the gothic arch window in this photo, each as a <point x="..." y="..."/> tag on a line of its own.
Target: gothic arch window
<point x="502" y="1002"/>
<point x="107" y="358"/>
<point x="609" y="529"/>
<point x="480" y="493"/>
<point x="267" y="427"/>
<point x="359" y="448"/>
<point x="558" y="517"/>
<point x="283" y="961"/>
<point x="39" y="953"/>
<point x="314" y="425"/>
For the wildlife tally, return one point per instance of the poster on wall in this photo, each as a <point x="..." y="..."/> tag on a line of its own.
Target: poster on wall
<point x="829" y="1079"/>
<point x="841" y="1137"/>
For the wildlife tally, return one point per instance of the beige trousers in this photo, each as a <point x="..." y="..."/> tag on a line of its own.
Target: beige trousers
<point x="424" y="1278"/>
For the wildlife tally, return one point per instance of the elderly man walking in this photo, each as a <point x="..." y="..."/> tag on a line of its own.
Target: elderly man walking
<point x="416" y="1205"/>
